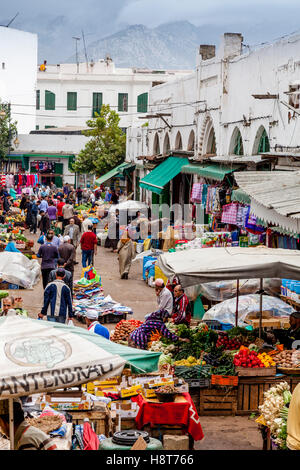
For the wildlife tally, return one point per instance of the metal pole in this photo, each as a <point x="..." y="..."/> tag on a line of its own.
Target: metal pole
<point x="261" y="306"/>
<point x="11" y="423"/>
<point x="237" y="302"/>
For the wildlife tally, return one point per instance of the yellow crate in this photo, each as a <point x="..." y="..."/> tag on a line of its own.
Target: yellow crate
<point x="131" y="392"/>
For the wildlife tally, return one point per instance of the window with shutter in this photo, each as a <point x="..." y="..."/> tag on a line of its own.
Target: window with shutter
<point x="123" y="102"/>
<point x="37" y="102"/>
<point x="239" y="148"/>
<point x="71" y="101"/>
<point x="142" y="103"/>
<point x="97" y="104"/>
<point x="49" y="100"/>
<point x="264" y="145"/>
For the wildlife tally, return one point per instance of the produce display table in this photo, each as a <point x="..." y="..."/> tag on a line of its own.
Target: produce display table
<point x="181" y="412"/>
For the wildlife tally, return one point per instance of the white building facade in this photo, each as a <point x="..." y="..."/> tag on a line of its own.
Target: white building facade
<point x="70" y="94"/>
<point x="213" y="111"/>
<point x="18" y="74"/>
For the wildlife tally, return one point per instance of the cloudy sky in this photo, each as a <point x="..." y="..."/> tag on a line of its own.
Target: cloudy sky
<point x="57" y="21"/>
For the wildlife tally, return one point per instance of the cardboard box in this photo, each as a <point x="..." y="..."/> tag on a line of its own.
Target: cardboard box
<point x="175" y="442"/>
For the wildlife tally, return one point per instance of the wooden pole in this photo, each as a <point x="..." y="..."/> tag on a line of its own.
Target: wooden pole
<point x="237" y="302"/>
<point x="261" y="306"/>
<point x="11" y="423"/>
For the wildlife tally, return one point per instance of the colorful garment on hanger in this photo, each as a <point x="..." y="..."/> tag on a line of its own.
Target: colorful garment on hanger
<point x="229" y="213"/>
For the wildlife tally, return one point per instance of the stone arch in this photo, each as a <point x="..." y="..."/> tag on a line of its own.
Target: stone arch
<point x="207" y="144"/>
<point x="156" y="145"/>
<point x="261" y="142"/>
<point x="236" y="143"/>
<point x="191" y="141"/>
<point x="178" y="141"/>
<point x="166" y="145"/>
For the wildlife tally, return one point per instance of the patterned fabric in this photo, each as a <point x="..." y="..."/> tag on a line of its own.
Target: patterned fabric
<point x="197" y="192"/>
<point x="229" y="214"/>
<point x="154" y="322"/>
<point x="182" y="310"/>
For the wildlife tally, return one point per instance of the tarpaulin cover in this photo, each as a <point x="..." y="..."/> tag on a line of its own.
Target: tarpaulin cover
<point x="16" y="268"/>
<point x="216" y="264"/>
<point x="39" y="356"/>
<point x="248" y="304"/>
<point x="223" y="290"/>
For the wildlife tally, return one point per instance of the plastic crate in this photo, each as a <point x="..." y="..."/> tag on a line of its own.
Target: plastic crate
<point x="111" y="318"/>
<point x="198" y="383"/>
<point x="226" y="326"/>
<point x="229" y="380"/>
<point x="213" y="324"/>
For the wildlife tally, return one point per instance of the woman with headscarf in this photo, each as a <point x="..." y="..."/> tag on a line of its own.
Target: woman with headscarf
<point x="155" y="322"/>
<point x="126" y="251"/>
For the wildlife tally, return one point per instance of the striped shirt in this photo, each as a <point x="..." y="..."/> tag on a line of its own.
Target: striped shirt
<point x="31" y="438"/>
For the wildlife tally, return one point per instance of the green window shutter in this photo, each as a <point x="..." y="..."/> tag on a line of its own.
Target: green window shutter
<point x="71" y="101"/>
<point x="123" y="102"/>
<point x="142" y="103"/>
<point x="239" y="148"/>
<point x="264" y="144"/>
<point x="49" y="100"/>
<point x="97" y="103"/>
<point x="37" y="102"/>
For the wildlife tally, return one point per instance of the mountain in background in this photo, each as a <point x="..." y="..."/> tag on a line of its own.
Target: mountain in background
<point x="168" y="46"/>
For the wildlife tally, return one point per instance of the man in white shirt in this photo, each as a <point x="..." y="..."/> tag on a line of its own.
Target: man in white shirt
<point x="164" y="296"/>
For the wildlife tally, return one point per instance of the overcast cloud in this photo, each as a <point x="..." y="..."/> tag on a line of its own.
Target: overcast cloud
<point x="57" y="21"/>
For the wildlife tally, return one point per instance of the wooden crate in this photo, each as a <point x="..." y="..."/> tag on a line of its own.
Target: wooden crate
<point x="251" y="392"/>
<point x="294" y="382"/>
<point x="259" y="372"/>
<point x="218" y="402"/>
<point x="195" y="396"/>
<point x="99" y="419"/>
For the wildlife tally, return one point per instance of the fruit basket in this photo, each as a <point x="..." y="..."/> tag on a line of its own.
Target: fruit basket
<point x="166" y="394"/>
<point x="289" y="370"/>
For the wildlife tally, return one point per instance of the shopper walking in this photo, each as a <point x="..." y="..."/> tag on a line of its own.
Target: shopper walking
<point x="67" y="212"/>
<point x="49" y="255"/>
<point x="67" y="253"/>
<point x="57" y="300"/>
<point x="88" y="244"/>
<point x="44" y="224"/>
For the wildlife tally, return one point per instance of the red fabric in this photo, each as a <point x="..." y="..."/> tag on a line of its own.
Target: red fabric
<point x="60" y="205"/>
<point x="90" y="439"/>
<point x="183" y="414"/>
<point x="88" y="241"/>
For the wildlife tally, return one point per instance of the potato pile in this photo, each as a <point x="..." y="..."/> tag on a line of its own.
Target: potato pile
<point x="123" y="330"/>
<point x="288" y="359"/>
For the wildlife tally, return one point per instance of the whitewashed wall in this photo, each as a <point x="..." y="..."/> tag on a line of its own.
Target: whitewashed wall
<point x="18" y="72"/>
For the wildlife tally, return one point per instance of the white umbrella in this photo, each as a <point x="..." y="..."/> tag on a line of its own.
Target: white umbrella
<point x="130" y="207"/>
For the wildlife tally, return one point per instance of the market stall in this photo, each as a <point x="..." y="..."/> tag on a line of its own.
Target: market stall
<point x="40" y="357"/>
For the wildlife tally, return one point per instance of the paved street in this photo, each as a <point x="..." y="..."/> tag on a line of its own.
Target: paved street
<point x="221" y="433"/>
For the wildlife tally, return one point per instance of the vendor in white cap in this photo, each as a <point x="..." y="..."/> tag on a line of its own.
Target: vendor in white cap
<point x="91" y="320"/>
<point x="164" y="296"/>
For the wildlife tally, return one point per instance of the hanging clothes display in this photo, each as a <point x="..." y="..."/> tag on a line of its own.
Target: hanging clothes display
<point x="229" y="213"/>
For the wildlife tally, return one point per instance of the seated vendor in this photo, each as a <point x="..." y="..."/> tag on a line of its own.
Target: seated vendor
<point x="26" y="437"/>
<point x="155" y="322"/>
<point x="288" y="337"/>
<point x="182" y="312"/>
<point x="93" y="325"/>
<point x="8" y="304"/>
<point x="164" y="296"/>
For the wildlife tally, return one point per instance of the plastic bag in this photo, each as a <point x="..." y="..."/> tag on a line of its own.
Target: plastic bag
<point x="70" y="323"/>
<point x="248" y="304"/>
<point x="16" y="268"/>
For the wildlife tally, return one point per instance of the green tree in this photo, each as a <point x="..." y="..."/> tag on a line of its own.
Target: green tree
<point x="8" y="131"/>
<point x="106" y="147"/>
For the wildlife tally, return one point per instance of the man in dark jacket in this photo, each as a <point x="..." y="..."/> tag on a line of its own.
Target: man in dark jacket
<point x="49" y="255"/>
<point x="44" y="224"/>
<point x="67" y="253"/>
<point x="57" y="300"/>
<point x="34" y="213"/>
<point x="68" y="279"/>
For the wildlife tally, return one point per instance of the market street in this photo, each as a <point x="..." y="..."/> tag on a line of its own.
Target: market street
<point x="221" y="433"/>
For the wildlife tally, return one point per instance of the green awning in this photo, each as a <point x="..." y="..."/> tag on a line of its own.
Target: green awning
<point x="240" y="196"/>
<point x="114" y="173"/>
<point x="214" y="172"/>
<point x="158" y="178"/>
